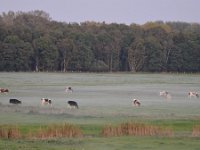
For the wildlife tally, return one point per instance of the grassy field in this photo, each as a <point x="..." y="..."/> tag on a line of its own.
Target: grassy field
<point x="104" y="99"/>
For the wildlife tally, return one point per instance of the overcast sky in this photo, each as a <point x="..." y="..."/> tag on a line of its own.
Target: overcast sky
<point x="110" y="11"/>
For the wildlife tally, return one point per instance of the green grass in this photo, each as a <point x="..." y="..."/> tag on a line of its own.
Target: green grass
<point x="100" y="143"/>
<point x="104" y="99"/>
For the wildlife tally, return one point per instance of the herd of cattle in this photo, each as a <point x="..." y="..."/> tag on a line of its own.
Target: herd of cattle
<point x="73" y="104"/>
<point x="167" y="95"/>
<point x="44" y="101"/>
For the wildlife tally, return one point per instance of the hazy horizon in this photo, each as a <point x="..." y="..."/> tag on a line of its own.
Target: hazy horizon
<point x="110" y="11"/>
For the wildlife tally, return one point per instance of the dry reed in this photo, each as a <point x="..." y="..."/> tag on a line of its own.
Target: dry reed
<point x="196" y="131"/>
<point x="9" y="132"/>
<point x="135" y="129"/>
<point x="57" y="131"/>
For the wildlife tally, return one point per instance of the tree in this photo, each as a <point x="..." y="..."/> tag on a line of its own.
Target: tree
<point x="82" y="55"/>
<point x="32" y="41"/>
<point x="153" y="55"/>
<point x="45" y="54"/>
<point x="16" y="54"/>
<point x="65" y="47"/>
<point x="136" y="55"/>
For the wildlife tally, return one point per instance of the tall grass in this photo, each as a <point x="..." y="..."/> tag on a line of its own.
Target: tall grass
<point x="56" y="131"/>
<point x="196" y="131"/>
<point x="72" y="131"/>
<point x="9" y="132"/>
<point x="135" y="129"/>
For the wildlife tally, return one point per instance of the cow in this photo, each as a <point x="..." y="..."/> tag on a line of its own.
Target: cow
<point x="72" y="104"/>
<point x="165" y="94"/>
<point x="68" y="89"/>
<point x="2" y="90"/>
<point x="46" y="101"/>
<point x="15" y="101"/>
<point x="193" y="94"/>
<point x="135" y="102"/>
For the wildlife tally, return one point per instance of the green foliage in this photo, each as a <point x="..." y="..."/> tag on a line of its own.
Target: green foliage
<point x="33" y="42"/>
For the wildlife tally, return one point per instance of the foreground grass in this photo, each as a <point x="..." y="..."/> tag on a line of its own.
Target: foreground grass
<point x="181" y="127"/>
<point x="100" y="143"/>
<point x="92" y="139"/>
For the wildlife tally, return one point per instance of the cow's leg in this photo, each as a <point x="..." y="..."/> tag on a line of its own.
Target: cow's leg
<point x="69" y="106"/>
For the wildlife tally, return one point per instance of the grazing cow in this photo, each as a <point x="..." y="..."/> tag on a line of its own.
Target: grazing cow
<point x="46" y="101"/>
<point x="15" y="101"/>
<point x="165" y="94"/>
<point x="2" y="90"/>
<point x="72" y="104"/>
<point x="69" y="89"/>
<point x="135" y="102"/>
<point x="193" y="94"/>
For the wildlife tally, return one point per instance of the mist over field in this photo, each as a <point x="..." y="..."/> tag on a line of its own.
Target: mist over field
<point x="105" y="103"/>
<point x="101" y="95"/>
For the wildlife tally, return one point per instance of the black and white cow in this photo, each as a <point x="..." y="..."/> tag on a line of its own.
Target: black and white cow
<point x="135" y="102"/>
<point x="72" y="104"/>
<point x="46" y="101"/>
<point x="15" y="101"/>
<point x="193" y="94"/>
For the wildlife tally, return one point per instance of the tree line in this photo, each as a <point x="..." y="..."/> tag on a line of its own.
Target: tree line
<point x="32" y="41"/>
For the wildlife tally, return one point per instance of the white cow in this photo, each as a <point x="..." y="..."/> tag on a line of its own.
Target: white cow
<point x="68" y="89"/>
<point x="165" y="94"/>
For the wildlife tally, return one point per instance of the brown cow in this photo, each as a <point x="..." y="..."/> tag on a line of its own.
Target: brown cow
<point x="2" y="90"/>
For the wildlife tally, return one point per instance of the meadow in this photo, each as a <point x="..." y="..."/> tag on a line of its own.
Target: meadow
<point x="104" y="100"/>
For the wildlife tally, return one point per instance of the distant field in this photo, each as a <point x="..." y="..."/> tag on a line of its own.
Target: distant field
<point x="103" y="98"/>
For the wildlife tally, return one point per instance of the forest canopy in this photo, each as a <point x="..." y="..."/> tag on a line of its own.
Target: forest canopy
<point x="32" y="41"/>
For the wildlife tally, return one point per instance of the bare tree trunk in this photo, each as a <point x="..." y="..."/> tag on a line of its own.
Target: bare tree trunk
<point x="36" y="65"/>
<point x="64" y="65"/>
<point x="36" y="68"/>
<point x="111" y="61"/>
<point x="167" y="57"/>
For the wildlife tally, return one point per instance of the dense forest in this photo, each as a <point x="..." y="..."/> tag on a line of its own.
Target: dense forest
<point x="32" y="41"/>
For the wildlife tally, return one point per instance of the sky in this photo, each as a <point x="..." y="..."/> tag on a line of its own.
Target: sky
<point x="110" y="11"/>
